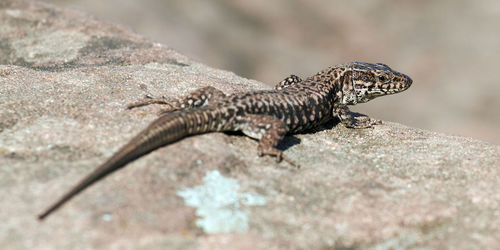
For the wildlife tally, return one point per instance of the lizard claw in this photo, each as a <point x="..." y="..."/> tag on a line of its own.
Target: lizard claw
<point x="290" y="161"/>
<point x="276" y="153"/>
<point x="361" y="122"/>
<point x="147" y="101"/>
<point x="167" y="110"/>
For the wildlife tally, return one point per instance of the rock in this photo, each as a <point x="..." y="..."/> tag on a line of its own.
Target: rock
<point x="65" y="80"/>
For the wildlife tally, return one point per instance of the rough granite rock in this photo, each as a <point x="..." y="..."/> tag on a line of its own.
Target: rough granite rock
<point x="65" y="79"/>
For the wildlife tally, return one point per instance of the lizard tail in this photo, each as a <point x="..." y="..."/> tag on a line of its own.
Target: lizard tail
<point x="167" y="129"/>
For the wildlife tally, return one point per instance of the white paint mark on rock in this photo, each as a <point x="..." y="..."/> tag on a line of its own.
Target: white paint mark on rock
<point x="219" y="204"/>
<point x="107" y="217"/>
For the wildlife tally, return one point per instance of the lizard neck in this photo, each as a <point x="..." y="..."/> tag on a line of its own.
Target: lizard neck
<point x="334" y="83"/>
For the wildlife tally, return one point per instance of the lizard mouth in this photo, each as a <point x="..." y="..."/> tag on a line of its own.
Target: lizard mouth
<point x="401" y="83"/>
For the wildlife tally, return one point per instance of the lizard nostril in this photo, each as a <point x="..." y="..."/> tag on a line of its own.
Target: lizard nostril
<point x="408" y="79"/>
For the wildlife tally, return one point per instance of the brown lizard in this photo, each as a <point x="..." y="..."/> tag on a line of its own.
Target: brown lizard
<point x="294" y="105"/>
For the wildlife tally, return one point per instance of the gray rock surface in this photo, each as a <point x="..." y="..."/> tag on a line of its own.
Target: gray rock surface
<point x="65" y="79"/>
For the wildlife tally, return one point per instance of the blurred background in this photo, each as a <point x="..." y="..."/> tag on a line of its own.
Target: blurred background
<point x="450" y="48"/>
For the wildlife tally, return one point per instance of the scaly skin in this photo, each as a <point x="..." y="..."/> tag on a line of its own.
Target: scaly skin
<point x="293" y="106"/>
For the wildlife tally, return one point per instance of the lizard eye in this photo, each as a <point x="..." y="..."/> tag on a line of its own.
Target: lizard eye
<point x="382" y="78"/>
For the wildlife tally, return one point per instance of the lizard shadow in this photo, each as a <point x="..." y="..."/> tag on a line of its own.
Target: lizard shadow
<point x="333" y="123"/>
<point x="291" y="140"/>
<point x="325" y="126"/>
<point x="287" y="142"/>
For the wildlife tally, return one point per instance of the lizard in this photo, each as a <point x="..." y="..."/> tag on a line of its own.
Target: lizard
<point x="294" y="105"/>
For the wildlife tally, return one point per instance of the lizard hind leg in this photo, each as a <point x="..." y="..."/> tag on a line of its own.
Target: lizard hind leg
<point x="197" y="98"/>
<point x="269" y="130"/>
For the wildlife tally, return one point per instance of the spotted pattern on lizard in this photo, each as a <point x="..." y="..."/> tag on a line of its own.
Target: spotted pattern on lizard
<point x="295" y="105"/>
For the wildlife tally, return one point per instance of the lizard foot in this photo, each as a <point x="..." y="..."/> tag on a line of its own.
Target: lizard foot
<point x="149" y="100"/>
<point x="361" y="122"/>
<point x="276" y="153"/>
<point x="167" y="110"/>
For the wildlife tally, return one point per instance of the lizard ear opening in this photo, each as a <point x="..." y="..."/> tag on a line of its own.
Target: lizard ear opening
<point x="349" y="96"/>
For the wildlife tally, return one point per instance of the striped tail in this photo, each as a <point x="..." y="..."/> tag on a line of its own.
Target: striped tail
<point x="167" y="129"/>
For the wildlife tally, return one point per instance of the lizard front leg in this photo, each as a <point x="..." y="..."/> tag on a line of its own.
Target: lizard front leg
<point x="289" y="81"/>
<point x="350" y="120"/>
<point x="197" y="98"/>
<point x="269" y="130"/>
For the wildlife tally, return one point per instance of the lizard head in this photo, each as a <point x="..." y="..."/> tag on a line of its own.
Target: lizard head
<point x="370" y="80"/>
